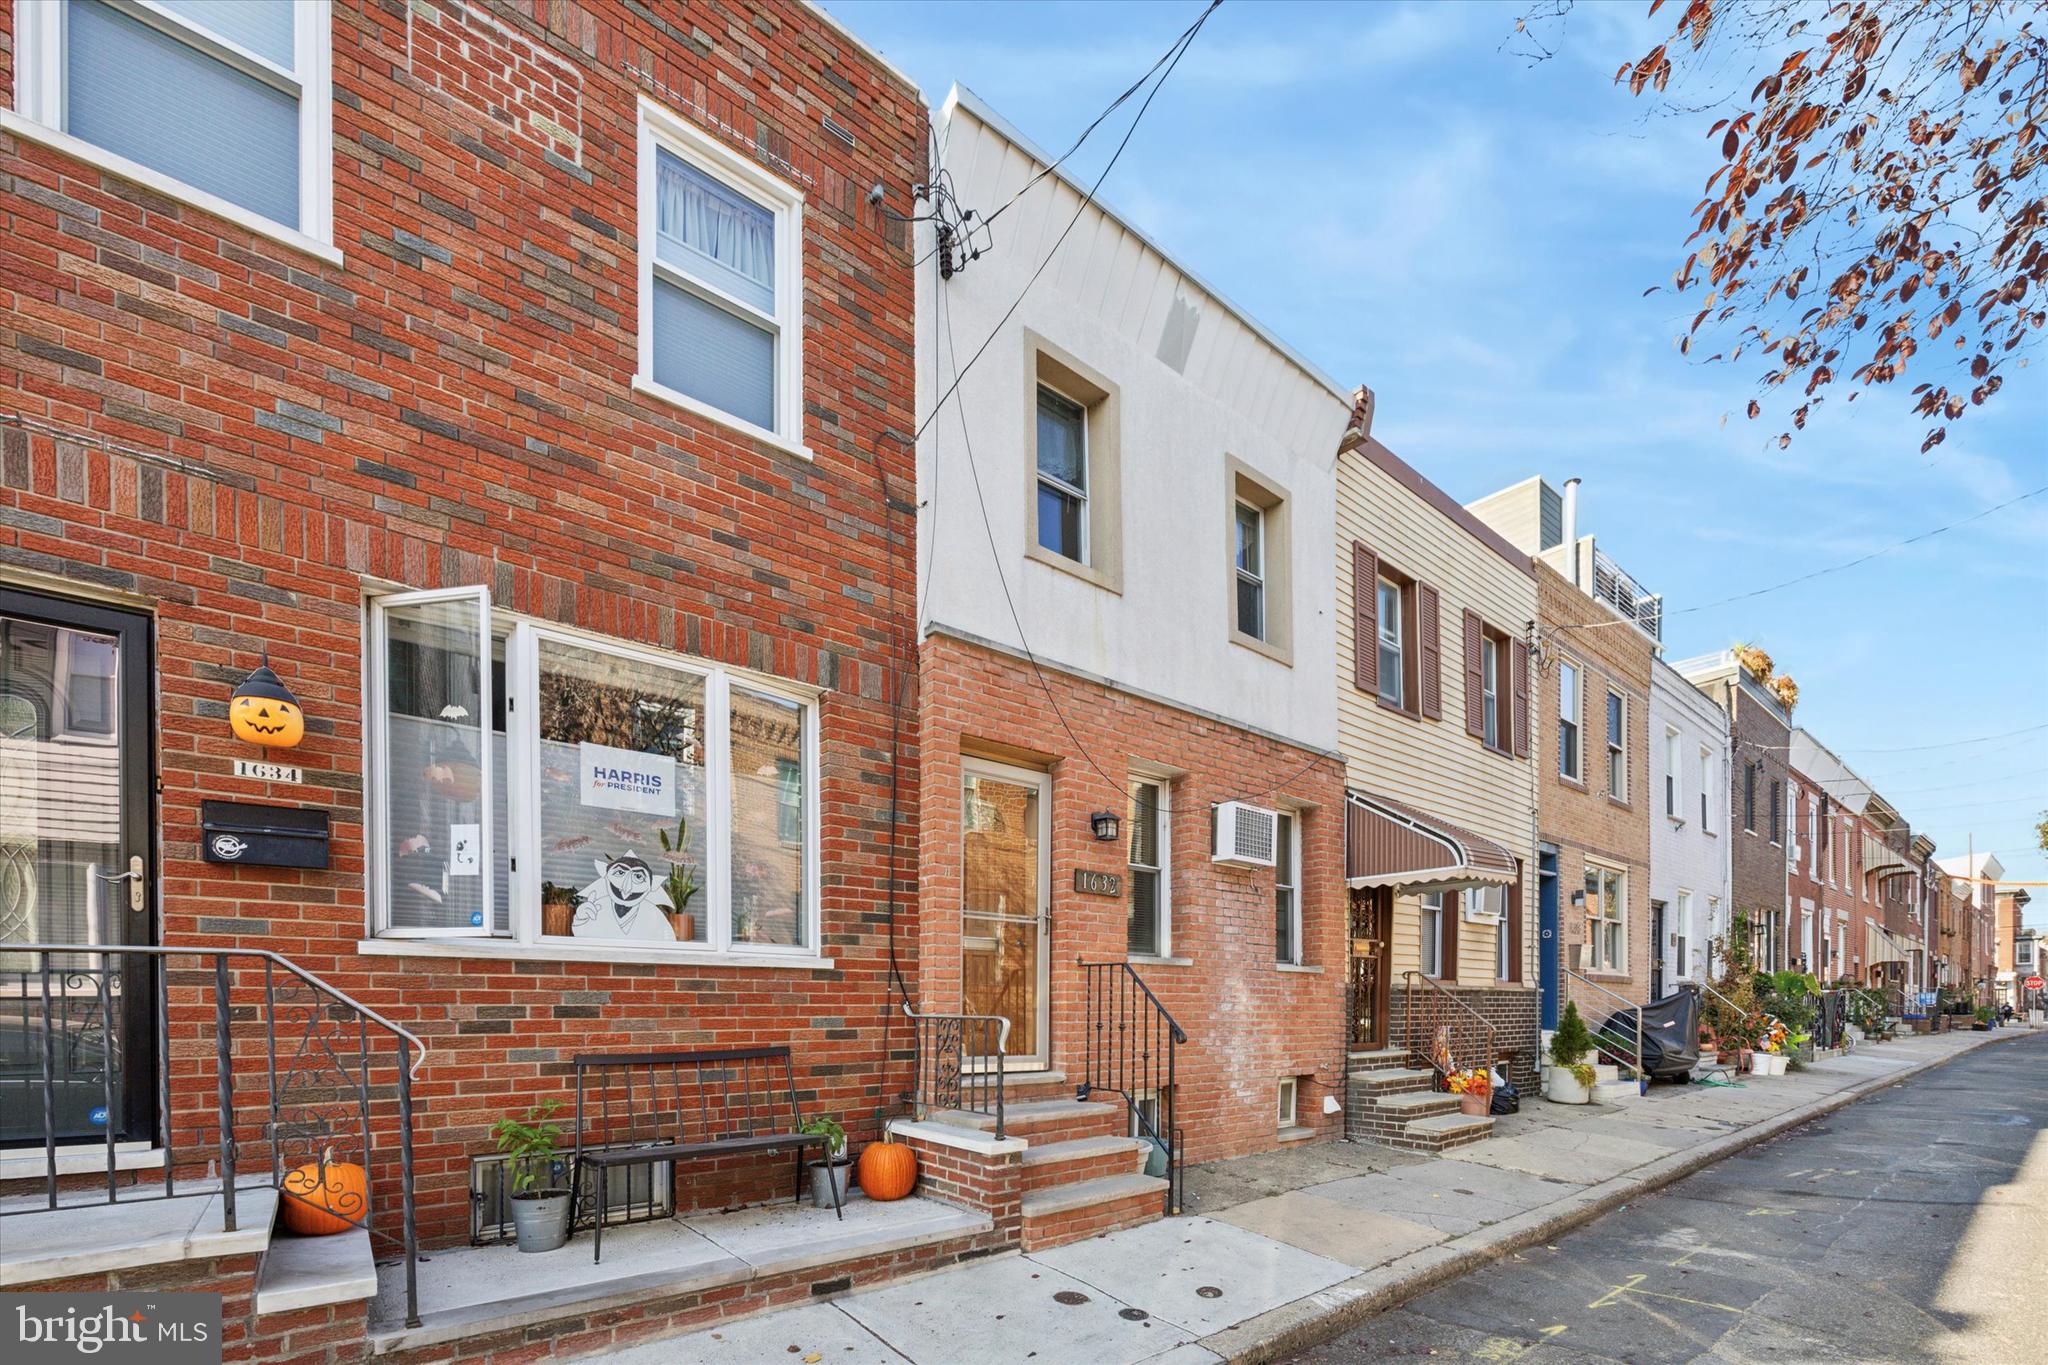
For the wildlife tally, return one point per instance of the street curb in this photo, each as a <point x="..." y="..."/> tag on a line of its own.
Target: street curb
<point x="1328" y="1313"/>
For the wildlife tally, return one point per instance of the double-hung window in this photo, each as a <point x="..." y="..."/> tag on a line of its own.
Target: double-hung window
<point x="1617" y="747"/>
<point x="1568" y="763"/>
<point x="1706" y="790"/>
<point x="1489" y="696"/>
<point x="1062" y="475"/>
<point x="1681" y="938"/>
<point x="1287" y="890"/>
<point x="1673" y="806"/>
<point x="721" y="282"/>
<point x="1606" y="919"/>
<point x="1149" y="910"/>
<point x="544" y="787"/>
<point x="1433" y="934"/>
<point x="1393" y="689"/>
<point x="1251" y="570"/>
<point x="222" y="105"/>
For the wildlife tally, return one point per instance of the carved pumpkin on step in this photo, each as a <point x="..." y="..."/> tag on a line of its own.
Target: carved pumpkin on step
<point x="264" y="711"/>
<point x="318" y="1191"/>
<point x="888" y="1170"/>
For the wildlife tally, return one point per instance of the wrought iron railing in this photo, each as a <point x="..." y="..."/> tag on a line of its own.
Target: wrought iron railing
<point x="1131" y="1049"/>
<point x="1623" y="1042"/>
<point x="1615" y="586"/>
<point x="256" y="1063"/>
<point x="1442" y="1032"/>
<point x="958" y="1063"/>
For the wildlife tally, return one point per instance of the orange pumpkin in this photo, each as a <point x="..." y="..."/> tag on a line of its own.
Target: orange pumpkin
<point x="315" y="1193"/>
<point x="888" y="1170"/>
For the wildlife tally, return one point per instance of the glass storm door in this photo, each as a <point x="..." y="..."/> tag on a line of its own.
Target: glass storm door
<point x="1006" y="906"/>
<point x="74" y="868"/>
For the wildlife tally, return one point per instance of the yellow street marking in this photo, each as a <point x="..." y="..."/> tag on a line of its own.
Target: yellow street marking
<point x="1770" y="1213"/>
<point x="1553" y="1331"/>
<point x="1615" y="1293"/>
<point x="1500" y="1348"/>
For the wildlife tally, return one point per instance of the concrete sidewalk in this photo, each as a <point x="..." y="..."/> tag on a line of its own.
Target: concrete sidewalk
<point x="1285" y="1249"/>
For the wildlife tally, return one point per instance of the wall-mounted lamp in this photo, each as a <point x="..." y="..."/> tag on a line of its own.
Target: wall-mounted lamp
<point x="1107" y="824"/>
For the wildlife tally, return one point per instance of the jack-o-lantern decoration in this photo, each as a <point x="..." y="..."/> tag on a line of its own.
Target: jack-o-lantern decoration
<point x="264" y="711"/>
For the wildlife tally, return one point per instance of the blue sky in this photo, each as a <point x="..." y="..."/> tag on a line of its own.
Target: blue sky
<point x="1472" y="235"/>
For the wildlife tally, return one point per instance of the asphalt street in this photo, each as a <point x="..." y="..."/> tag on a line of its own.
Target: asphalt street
<point x="1910" y="1226"/>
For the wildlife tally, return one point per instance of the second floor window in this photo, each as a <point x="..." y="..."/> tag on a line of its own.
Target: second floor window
<point x="1706" y="789"/>
<point x="1489" y="673"/>
<point x="1568" y="761"/>
<point x="1606" y="920"/>
<point x="1617" y="747"/>
<point x="721" y="285"/>
<point x="1392" y="663"/>
<point x="1671" y="765"/>
<point x="1749" y="797"/>
<point x="1433" y="934"/>
<point x="1062" y="476"/>
<point x="1251" y="571"/>
<point x="1777" y="812"/>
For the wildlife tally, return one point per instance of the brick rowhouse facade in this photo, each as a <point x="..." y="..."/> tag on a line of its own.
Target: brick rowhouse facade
<point x="1589" y="828"/>
<point x="1760" y="735"/>
<point x="242" y="439"/>
<point x="1805" y="883"/>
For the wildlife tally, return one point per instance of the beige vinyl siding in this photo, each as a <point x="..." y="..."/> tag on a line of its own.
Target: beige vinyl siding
<point x="1435" y="765"/>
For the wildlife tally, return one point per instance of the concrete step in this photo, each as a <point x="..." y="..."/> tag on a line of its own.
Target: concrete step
<point x="1389" y="1081"/>
<point x="1053" y="1164"/>
<point x="1036" y="1085"/>
<point x="1089" y="1208"/>
<point x="1616" y="1092"/>
<point x="312" y="1272"/>
<point x="1378" y="1059"/>
<point x="1417" y="1104"/>
<point x="1442" y="1132"/>
<point x="1048" y="1120"/>
<point x="1603" y="1072"/>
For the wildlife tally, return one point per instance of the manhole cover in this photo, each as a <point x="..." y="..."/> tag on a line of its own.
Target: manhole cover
<point x="1133" y="1314"/>
<point x="1072" y="1298"/>
<point x="1209" y="1291"/>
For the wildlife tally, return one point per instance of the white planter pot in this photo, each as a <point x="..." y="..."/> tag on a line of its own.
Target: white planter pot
<point x="1561" y="1087"/>
<point x="1768" y="1064"/>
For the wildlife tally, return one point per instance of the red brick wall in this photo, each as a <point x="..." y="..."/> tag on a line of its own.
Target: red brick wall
<point x="237" y="438"/>
<point x="1248" y="1022"/>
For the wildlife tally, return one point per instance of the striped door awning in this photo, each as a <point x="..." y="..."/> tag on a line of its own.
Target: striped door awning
<point x="1387" y="843"/>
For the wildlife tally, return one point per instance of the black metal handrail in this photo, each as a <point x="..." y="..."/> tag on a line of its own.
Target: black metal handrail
<point x="317" y="1073"/>
<point x="958" y="1063"/>
<point x="1130" y="1049"/>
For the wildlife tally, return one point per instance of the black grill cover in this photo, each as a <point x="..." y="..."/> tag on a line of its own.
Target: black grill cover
<point x="1671" y="1034"/>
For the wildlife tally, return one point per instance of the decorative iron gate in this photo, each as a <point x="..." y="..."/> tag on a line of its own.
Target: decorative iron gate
<point x="1370" y="908"/>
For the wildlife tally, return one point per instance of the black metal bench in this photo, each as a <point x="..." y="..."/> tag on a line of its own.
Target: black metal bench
<point x="649" y="1108"/>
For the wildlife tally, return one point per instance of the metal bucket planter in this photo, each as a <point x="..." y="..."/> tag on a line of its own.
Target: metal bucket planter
<point x="825" y="1177"/>
<point x="540" y="1218"/>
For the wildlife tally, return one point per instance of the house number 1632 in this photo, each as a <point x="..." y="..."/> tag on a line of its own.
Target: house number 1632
<point x="1098" y="883"/>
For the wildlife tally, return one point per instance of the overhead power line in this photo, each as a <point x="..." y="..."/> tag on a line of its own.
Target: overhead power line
<point x="1950" y="744"/>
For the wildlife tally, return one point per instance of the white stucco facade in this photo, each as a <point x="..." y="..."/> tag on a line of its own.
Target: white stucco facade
<point x="1190" y="408"/>
<point x="1689" y="839"/>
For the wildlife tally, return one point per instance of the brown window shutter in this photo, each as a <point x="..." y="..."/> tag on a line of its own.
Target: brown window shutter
<point x="1365" y="618"/>
<point x="1475" y="678"/>
<point x="1449" y="970"/>
<point x="1515" y="925"/>
<point x="1431" y="651"/>
<point x="1519" y="677"/>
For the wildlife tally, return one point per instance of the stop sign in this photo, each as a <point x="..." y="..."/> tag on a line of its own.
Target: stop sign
<point x="2034" y="983"/>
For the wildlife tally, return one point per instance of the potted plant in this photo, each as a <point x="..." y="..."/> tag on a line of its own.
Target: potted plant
<point x="1474" y="1088"/>
<point x="828" y="1177"/>
<point x="1983" y="1024"/>
<point x="540" y="1207"/>
<point x="681" y="882"/>
<point x="1570" y="1077"/>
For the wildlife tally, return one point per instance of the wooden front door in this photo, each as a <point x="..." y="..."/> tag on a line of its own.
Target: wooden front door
<point x="1372" y="914"/>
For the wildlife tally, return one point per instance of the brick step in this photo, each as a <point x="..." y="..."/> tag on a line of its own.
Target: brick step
<point x="1089" y="1208"/>
<point x="1379" y="1059"/>
<point x="1044" y="1120"/>
<point x="1416" y="1104"/>
<point x="1392" y="1080"/>
<point x="1441" y="1132"/>
<point x="1049" y="1165"/>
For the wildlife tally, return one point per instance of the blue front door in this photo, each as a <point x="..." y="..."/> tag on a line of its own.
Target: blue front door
<point x="1547" y="942"/>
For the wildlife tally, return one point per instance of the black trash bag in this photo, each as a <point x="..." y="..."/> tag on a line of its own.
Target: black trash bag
<point x="1506" y="1099"/>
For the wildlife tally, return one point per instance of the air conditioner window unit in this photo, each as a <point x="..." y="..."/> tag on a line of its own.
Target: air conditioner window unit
<point x="1245" y="835"/>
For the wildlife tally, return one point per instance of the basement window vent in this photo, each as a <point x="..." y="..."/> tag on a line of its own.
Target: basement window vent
<point x="636" y="1193"/>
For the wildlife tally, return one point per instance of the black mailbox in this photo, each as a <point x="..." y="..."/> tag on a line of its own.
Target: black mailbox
<point x="265" y="836"/>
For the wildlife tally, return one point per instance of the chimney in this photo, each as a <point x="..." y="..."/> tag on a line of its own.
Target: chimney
<point x="1571" y="526"/>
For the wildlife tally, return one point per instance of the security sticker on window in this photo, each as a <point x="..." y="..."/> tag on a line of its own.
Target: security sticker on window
<point x="111" y="1329"/>
<point x="626" y="779"/>
<point x="465" y="850"/>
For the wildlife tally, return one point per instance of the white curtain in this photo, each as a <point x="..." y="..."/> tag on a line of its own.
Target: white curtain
<point x="724" y="239"/>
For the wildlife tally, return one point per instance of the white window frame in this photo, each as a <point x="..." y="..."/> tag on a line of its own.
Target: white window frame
<point x="663" y="131"/>
<point x="1397" y="641"/>
<point x="40" y="101"/>
<point x="1571" y="761"/>
<point x="1599" y="963"/>
<point x="1060" y="485"/>
<point x="1617" y="745"/>
<point x="1682" y="957"/>
<point x="1431" y="903"/>
<point x="1287" y="1103"/>
<point x="523" y="793"/>
<point x="1164" y="868"/>
<point x="1674" y="784"/>
<point x="1293" y="837"/>
<point x="1706" y="790"/>
<point x="1256" y="573"/>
